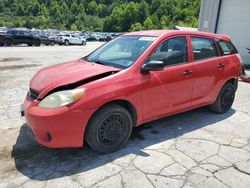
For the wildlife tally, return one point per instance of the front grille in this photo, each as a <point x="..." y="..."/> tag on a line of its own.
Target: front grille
<point x="33" y="94"/>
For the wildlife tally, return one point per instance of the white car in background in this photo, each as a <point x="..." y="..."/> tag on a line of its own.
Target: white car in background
<point x="69" y="39"/>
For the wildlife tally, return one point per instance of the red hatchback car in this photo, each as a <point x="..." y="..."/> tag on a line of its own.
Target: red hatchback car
<point x="136" y="78"/>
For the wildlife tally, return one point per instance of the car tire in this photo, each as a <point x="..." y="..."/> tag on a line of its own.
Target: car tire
<point x="66" y="42"/>
<point x="83" y="43"/>
<point x="37" y="43"/>
<point x="30" y="44"/>
<point x="109" y="129"/>
<point x="52" y="43"/>
<point x="224" y="100"/>
<point x="7" y="42"/>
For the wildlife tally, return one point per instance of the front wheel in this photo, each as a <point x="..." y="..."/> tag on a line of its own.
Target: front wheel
<point x="66" y="42"/>
<point x="7" y="42"/>
<point x="224" y="100"/>
<point x="109" y="129"/>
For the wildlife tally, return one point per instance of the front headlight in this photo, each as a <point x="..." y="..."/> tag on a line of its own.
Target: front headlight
<point x="61" y="98"/>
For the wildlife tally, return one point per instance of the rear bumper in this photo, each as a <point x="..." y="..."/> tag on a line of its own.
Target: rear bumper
<point x="57" y="128"/>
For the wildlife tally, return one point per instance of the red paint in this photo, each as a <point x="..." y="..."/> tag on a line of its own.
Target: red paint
<point x="155" y="94"/>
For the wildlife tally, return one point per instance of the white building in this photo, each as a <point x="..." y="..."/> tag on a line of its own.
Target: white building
<point x="231" y="17"/>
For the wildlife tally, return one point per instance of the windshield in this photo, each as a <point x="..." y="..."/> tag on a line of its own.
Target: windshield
<point x="121" y="52"/>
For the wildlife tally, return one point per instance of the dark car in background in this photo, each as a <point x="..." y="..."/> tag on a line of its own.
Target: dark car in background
<point x="19" y="36"/>
<point x="48" y="40"/>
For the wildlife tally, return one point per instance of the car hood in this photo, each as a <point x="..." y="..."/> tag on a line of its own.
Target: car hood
<point x="63" y="74"/>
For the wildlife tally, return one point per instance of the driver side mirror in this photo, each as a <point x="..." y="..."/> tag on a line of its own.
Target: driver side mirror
<point x="152" y="66"/>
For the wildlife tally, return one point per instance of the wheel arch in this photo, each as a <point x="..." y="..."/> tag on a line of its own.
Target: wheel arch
<point x="8" y="38"/>
<point x="124" y="103"/>
<point x="233" y="81"/>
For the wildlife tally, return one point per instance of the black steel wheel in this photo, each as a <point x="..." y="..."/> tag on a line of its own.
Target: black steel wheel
<point x="109" y="129"/>
<point x="225" y="99"/>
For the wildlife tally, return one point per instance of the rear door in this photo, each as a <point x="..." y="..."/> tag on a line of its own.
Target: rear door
<point x="209" y="70"/>
<point x="170" y="90"/>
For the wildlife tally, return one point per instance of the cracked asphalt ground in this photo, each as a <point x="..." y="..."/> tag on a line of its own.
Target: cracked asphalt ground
<point x="193" y="149"/>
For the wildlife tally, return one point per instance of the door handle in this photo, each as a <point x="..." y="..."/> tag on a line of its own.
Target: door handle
<point x="187" y="72"/>
<point x="221" y="65"/>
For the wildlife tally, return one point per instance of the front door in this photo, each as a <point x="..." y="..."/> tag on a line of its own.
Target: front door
<point x="170" y="90"/>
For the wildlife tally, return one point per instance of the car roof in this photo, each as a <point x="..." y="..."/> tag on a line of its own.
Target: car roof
<point x="164" y="33"/>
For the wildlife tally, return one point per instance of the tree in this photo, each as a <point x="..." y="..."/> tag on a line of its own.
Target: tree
<point x="164" y="21"/>
<point x="73" y="27"/>
<point x="148" y="24"/>
<point x="92" y="8"/>
<point x="99" y="15"/>
<point x="136" y="27"/>
<point x="143" y="11"/>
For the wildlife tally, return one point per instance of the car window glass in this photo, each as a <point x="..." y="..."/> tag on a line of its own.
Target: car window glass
<point x="122" y="52"/>
<point x="227" y="47"/>
<point x="203" y="48"/>
<point x="10" y="32"/>
<point x="20" y="32"/>
<point x="171" y="52"/>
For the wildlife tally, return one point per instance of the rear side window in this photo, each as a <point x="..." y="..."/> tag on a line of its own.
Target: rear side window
<point x="203" y="48"/>
<point x="227" y="47"/>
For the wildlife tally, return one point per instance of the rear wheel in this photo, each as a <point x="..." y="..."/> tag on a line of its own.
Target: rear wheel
<point x="7" y="42"/>
<point x="109" y="129"/>
<point x="224" y="100"/>
<point x="37" y="43"/>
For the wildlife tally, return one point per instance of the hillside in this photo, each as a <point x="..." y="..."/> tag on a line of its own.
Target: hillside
<point x="99" y="15"/>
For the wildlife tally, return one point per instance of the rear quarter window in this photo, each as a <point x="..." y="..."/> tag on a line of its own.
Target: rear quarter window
<point x="226" y="47"/>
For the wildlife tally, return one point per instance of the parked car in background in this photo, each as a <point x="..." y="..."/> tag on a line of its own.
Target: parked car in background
<point x="101" y="97"/>
<point x="69" y="39"/>
<point x="19" y="36"/>
<point x="84" y="42"/>
<point x="48" y="40"/>
<point x="91" y="37"/>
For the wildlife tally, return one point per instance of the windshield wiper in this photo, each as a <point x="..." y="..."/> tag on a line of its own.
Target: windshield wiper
<point x="98" y="62"/>
<point x="95" y="61"/>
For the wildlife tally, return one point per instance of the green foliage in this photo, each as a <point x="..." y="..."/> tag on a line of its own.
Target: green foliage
<point x="73" y="27"/>
<point x="99" y="15"/>
<point x="136" y="27"/>
<point x="148" y="24"/>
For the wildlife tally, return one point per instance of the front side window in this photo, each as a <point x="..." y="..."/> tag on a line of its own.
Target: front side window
<point x="121" y="52"/>
<point x="203" y="48"/>
<point x="173" y="51"/>
<point x="227" y="47"/>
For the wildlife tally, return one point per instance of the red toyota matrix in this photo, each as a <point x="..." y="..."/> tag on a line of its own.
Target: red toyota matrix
<point x="136" y="78"/>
